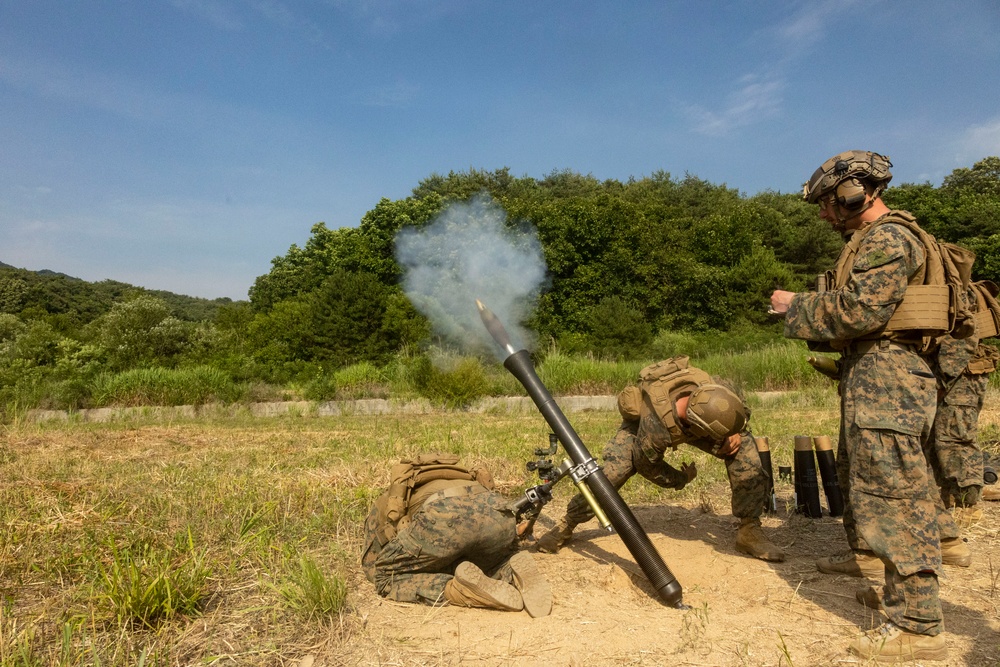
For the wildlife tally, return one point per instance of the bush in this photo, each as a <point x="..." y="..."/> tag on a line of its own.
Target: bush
<point x="453" y="382"/>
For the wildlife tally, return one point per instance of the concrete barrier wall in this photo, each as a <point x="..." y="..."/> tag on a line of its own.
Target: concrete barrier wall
<point x="368" y="406"/>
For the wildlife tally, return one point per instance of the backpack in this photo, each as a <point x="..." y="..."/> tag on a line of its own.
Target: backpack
<point x="986" y="308"/>
<point x="407" y="476"/>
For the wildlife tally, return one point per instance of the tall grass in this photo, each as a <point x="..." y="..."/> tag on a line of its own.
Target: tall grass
<point x="165" y="386"/>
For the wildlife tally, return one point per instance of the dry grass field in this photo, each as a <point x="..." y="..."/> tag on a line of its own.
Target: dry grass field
<point x="236" y="542"/>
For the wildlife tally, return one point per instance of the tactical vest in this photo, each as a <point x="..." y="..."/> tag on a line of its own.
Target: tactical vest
<point x="663" y="383"/>
<point x="410" y="476"/>
<point x="934" y="303"/>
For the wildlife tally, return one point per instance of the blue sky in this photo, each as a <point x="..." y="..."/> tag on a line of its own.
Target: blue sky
<point x="182" y="144"/>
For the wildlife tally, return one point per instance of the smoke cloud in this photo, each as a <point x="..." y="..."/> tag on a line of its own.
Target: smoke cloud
<point x="469" y="252"/>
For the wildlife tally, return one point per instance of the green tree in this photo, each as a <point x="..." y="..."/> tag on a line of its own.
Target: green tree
<point x="141" y="331"/>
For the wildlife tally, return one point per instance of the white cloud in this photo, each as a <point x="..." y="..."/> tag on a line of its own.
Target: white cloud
<point x="979" y="141"/>
<point x="752" y="102"/>
<point x="96" y="90"/>
<point x="809" y="24"/>
<point x="219" y="14"/>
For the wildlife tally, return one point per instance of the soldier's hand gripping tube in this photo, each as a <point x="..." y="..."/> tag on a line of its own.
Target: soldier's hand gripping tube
<point x="806" y="484"/>
<point x="519" y="365"/>
<point x="828" y="472"/>
<point x="764" y="452"/>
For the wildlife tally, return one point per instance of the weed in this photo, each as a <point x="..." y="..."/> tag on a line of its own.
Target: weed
<point x="146" y="586"/>
<point x="786" y="655"/>
<point x="313" y="594"/>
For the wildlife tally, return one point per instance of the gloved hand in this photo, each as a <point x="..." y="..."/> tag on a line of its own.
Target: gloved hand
<point x="690" y="471"/>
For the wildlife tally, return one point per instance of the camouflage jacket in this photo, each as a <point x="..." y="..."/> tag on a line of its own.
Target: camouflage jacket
<point x="886" y="260"/>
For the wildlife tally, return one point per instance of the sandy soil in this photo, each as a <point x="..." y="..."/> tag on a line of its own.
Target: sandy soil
<point x="742" y="611"/>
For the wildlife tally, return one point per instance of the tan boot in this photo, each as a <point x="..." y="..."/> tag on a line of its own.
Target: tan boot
<point x="990" y="492"/>
<point x="751" y="540"/>
<point x="471" y="588"/>
<point x="529" y="580"/>
<point x="954" y="551"/>
<point x="553" y="540"/>
<point x="967" y="517"/>
<point x="854" y="564"/>
<point x="889" y="643"/>
<point x="869" y="597"/>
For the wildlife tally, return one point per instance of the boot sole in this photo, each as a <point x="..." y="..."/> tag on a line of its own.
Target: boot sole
<point x="504" y="595"/>
<point x="535" y="590"/>
<point x="916" y="654"/>
<point x="770" y="558"/>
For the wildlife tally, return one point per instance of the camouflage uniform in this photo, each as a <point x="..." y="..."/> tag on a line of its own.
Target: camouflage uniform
<point x="416" y="564"/>
<point x="963" y="368"/>
<point x="639" y="446"/>
<point x="888" y="403"/>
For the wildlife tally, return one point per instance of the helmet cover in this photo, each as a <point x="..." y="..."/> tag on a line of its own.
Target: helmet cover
<point x="863" y="165"/>
<point x="715" y="412"/>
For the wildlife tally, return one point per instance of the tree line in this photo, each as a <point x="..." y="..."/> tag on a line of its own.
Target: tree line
<point x="628" y="263"/>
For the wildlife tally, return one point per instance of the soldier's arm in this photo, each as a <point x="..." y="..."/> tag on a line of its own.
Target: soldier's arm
<point x="887" y="258"/>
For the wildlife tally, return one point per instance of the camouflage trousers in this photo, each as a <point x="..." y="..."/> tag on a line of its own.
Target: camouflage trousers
<point x="954" y="454"/>
<point x="888" y="403"/>
<point x="623" y="457"/>
<point x="418" y="562"/>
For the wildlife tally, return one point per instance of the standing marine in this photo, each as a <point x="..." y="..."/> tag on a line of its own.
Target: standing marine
<point x="673" y="404"/>
<point x="880" y="309"/>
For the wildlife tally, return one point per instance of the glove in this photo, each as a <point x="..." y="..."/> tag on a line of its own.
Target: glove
<point x="690" y="471"/>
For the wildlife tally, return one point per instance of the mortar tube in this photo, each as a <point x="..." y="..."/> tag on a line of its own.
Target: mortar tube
<point x="827" y="463"/>
<point x="806" y="484"/>
<point x="621" y="517"/>
<point x="764" y="452"/>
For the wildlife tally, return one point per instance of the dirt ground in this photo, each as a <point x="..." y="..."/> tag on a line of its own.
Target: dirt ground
<point x="742" y="611"/>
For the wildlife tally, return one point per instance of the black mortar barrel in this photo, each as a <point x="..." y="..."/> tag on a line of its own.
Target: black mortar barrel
<point x="806" y="484"/>
<point x="635" y="538"/>
<point x="827" y="463"/>
<point x="764" y="452"/>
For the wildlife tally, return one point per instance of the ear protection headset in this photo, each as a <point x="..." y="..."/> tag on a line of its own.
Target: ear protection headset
<point x="850" y="193"/>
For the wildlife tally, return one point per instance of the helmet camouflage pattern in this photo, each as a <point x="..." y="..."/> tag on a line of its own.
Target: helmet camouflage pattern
<point x="865" y="166"/>
<point x="715" y="412"/>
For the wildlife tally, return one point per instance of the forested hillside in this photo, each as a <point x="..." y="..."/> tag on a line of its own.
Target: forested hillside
<point x="629" y="265"/>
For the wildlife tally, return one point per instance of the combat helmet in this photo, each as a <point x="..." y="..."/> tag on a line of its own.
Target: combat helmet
<point x="715" y="412"/>
<point x="845" y="175"/>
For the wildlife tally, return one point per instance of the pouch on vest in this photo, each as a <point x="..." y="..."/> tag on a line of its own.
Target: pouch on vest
<point x="984" y="361"/>
<point x="987" y="308"/>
